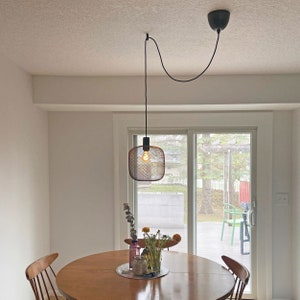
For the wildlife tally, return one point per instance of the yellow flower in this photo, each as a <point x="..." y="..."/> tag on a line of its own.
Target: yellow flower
<point x="146" y="229"/>
<point x="176" y="237"/>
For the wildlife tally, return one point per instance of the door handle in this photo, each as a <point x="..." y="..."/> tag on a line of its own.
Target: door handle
<point x="252" y="218"/>
<point x="252" y="214"/>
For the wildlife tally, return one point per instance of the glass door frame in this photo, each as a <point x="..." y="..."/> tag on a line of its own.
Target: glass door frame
<point x="261" y="121"/>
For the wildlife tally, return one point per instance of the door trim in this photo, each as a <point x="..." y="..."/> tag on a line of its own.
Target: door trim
<point x="262" y="121"/>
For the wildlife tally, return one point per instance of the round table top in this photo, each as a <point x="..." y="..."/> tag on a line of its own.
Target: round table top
<point x="190" y="277"/>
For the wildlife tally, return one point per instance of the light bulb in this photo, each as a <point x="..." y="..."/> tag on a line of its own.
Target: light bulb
<point x="145" y="156"/>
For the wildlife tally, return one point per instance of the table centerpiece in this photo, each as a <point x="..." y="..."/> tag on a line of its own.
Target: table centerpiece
<point x="153" y="244"/>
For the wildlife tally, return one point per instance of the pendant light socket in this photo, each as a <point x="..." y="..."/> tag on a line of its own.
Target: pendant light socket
<point x="146" y="143"/>
<point x="218" y="19"/>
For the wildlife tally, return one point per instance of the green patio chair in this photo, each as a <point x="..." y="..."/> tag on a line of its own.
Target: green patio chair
<point x="232" y="216"/>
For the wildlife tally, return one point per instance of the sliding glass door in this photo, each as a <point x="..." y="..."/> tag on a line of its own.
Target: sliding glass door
<point x="223" y="196"/>
<point x="205" y="195"/>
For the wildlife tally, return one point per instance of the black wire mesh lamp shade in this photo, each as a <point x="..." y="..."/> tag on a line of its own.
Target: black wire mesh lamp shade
<point x="147" y="163"/>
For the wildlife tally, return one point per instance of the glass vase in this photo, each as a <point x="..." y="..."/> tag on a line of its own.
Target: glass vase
<point x="154" y="260"/>
<point x="134" y="250"/>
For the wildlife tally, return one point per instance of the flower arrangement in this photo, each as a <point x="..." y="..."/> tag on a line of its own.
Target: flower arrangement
<point x="157" y="240"/>
<point x="154" y="242"/>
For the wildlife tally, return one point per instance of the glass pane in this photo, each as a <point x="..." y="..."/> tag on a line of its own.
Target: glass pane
<point x="223" y="196"/>
<point x="162" y="204"/>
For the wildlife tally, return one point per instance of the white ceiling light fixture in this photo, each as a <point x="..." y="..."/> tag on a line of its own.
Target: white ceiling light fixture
<point x="146" y="162"/>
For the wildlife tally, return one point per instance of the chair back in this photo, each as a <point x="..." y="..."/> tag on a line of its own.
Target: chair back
<point x="241" y="274"/>
<point x="40" y="274"/>
<point x="230" y="211"/>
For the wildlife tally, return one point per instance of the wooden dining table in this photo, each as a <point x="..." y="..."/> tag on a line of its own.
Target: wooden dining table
<point x="188" y="277"/>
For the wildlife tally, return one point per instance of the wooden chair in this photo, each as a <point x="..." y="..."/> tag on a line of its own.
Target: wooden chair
<point x="40" y="275"/>
<point x="241" y="275"/>
<point x="141" y="242"/>
<point x="231" y="216"/>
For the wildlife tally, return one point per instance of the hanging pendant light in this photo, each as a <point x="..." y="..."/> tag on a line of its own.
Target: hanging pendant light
<point x="146" y="162"/>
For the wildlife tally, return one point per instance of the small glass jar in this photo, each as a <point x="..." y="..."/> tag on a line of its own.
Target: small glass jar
<point x="139" y="265"/>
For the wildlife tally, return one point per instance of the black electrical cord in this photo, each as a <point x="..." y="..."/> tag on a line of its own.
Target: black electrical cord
<point x="163" y="66"/>
<point x="168" y="74"/>
<point x="146" y="85"/>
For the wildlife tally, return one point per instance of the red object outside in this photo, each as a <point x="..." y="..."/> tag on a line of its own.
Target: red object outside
<point x="244" y="192"/>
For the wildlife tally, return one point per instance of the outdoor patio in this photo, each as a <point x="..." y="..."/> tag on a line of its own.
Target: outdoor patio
<point x="210" y="245"/>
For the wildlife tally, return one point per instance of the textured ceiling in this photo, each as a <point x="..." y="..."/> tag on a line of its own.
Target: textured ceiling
<point x="105" y="37"/>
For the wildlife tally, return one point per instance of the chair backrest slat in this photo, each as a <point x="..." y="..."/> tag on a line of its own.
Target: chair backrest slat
<point x="34" y="287"/>
<point x="241" y="274"/>
<point x="50" y="282"/>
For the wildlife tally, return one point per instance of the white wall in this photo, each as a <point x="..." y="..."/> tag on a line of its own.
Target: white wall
<point x="81" y="183"/>
<point x="24" y="200"/>
<point x="129" y="91"/>
<point x="296" y="205"/>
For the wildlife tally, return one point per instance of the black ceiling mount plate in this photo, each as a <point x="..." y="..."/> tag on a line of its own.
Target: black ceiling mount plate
<point x="218" y="19"/>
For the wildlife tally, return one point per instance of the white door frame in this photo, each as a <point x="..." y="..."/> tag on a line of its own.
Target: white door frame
<point x="262" y="121"/>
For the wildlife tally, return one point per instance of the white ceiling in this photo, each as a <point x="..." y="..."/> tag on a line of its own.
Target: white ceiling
<point x="106" y="37"/>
